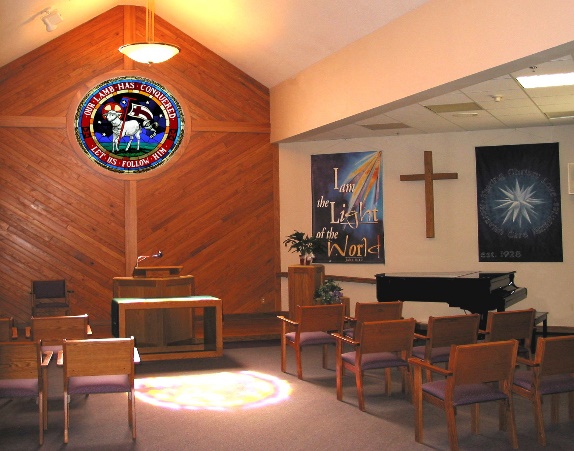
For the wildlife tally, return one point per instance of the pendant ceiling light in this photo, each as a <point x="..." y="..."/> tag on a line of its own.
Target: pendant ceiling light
<point x="149" y="52"/>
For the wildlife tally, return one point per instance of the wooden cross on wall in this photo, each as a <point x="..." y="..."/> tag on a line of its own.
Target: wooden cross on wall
<point x="428" y="178"/>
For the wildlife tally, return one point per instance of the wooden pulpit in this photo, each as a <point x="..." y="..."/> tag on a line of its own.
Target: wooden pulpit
<point x="154" y="282"/>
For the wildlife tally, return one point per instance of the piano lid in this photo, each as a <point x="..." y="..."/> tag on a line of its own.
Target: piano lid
<point x="475" y="291"/>
<point x="458" y="274"/>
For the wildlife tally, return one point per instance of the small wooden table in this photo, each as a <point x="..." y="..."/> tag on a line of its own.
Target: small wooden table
<point x="164" y="327"/>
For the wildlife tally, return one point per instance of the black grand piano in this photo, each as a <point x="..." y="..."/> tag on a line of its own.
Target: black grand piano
<point x="476" y="292"/>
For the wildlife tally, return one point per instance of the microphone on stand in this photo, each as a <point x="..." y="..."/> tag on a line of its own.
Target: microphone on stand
<point x="141" y="258"/>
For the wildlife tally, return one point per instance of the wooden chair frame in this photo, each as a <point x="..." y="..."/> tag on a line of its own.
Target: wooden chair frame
<point x="517" y="324"/>
<point x="442" y="333"/>
<point x="7" y="329"/>
<point x="52" y="330"/>
<point x="99" y="366"/>
<point x="550" y="373"/>
<point x="472" y="369"/>
<point x="380" y="344"/>
<point x="25" y="361"/>
<point x="312" y="327"/>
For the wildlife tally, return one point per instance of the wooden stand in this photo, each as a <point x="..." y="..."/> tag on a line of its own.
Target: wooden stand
<point x="154" y="327"/>
<point x="303" y="281"/>
<point x="166" y="330"/>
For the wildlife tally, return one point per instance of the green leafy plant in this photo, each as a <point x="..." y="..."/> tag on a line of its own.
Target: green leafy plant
<point x="329" y="293"/>
<point x="304" y="244"/>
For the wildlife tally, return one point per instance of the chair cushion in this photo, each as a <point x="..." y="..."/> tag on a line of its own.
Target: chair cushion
<point x="465" y="394"/>
<point x="558" y="383"/>
<point x="311" y="338"/>
<point x="375" y="360"/>
<point x="438" y="355"/>
<point x="98" y="384"/>
<point x="18" y="388"/>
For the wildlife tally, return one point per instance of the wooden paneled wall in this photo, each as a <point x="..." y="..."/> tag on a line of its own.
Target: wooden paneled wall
<point x="214" y="210"/>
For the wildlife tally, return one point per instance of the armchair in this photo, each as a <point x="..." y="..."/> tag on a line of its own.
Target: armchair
<point x="380" y="344"/>
<point x="7" y="330"/>
<point x="50" y="297"/>
<point x="517" y="324"/>
<point x="311" y="327"/>
<point x="551" y="373"/>
<point x="52" y="330"/>
<point x="442" y="332"/>
<point x="99" y="366"/>
<point x="373" y="311"/>
<point x="23" y="375"/>
<point x="472" y="369"/>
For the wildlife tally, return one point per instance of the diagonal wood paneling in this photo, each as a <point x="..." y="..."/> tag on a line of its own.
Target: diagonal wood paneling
<point x="214" y="210"/>
<point x="220" y="232"/>
<point x="57" y="222"/>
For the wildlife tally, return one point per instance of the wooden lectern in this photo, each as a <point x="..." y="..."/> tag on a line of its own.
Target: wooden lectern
<point x="154" y="282"/>
<point x="147" y="307"/>
<point x="303" y="281"/>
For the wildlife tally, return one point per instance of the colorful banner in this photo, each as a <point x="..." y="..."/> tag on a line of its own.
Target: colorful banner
<point x="518" y="195"/>
<point x="348" y="206"/>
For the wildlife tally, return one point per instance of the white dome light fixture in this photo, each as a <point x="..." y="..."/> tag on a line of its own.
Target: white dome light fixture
<point x="149" y="52"/>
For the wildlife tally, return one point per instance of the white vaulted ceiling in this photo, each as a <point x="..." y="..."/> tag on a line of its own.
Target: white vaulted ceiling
<point x="273" y="40"/>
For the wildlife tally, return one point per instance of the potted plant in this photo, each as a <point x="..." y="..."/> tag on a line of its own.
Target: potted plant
<point x="306" y="246"/>
<point x="329" y="293"/>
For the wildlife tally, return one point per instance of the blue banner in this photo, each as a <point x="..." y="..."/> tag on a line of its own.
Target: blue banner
<point x="518" y="196"/>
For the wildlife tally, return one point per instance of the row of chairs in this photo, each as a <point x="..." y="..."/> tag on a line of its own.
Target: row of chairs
<point x="89" y="365"/>
<point x="380" y="338"/>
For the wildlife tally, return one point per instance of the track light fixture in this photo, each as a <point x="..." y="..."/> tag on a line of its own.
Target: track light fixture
<point x="51" y="19"/>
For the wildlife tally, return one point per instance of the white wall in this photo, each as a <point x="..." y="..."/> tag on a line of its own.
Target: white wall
<point x="455" y="246"/>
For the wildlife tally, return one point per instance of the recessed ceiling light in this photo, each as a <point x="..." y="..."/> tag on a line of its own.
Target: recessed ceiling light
<point x="391" y="126"/>
<point x="560" y="115"/>
<point x="465" y="115"/>
<point x="546" y="81"/>
<point x="453" y="107"/>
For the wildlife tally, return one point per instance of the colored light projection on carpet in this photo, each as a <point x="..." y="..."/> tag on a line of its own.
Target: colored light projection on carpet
<point x="214" y="391"/>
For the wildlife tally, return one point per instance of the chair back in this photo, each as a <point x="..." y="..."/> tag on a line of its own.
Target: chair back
<point x="376" y="311"/>
<point x="50" y="297"/>
<point x="517" y="324"/>
<point x="452" y="330"/>
<point x="555" y="355"/>
<point x="51" y="330"/>
<point x="104" y="365"/>
<point x="49" y="289"/>
<point x="483" y="362"/>
<point x="99" y="357"/>
<point x="387" y="336"/>
<point x="20" y="360"/>
<point x="325" y="318"/>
